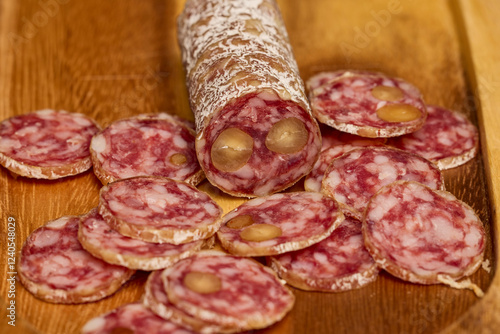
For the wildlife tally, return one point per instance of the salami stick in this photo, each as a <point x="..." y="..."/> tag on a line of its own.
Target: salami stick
<point x="255" y="131"/>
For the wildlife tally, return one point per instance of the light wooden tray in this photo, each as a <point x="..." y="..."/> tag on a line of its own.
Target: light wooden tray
<point x="117" y="58"/>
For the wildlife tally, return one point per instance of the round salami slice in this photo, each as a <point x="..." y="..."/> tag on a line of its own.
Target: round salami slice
<point x="447" y="138"/>
<point x="155" y="298"/>
<point x="313" y="180"/>
<point x="357" y="175"/>
<point x="146" y="145"/>
<point x="255" y="131"/>
<point x="47" y="144"/>
<point x="369" y="105"/>
<point x="102" y="241"/>
<point x="227" y="290"/>
<point x="422" y="235"/>
<point x="337" y="263"/>
<point x="56" y="268"/>
<point x="132" y="318"/>
<point x="279" y="223"/>
<point x="160" y="210"/>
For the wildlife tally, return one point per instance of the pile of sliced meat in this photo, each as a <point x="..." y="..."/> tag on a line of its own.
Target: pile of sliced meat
<point x="373" y="198"/>
<point x="411" y="227"/>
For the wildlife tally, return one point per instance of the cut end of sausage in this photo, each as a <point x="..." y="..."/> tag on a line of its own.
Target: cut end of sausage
<point x="231" y="150"/>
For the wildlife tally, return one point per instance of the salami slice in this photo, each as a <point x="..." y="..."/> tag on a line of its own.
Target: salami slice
<point x="368" y="104"/>
<point x="159" y="210"/>
<point x="337" y="263"/>
<point x="255" y="131"/>
<point x="146" y="145"/>
<point x="279" y="223"/>
<point x="47" y="144"/>
<point x="447" y="138"/>
<point x="358" y="174"/>
<point x="132" y="318"/>
<point x="422" y="235"/>
<point x="54" y="266"/>
<point x="227" y="290"/>
<point x="103" y="242"/>
<point x="313" y="180"/>
<point x="155" y="298"/>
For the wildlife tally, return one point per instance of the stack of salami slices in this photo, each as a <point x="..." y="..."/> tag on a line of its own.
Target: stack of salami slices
<point x="142" y="223"/>
<point x="382" y="156"/>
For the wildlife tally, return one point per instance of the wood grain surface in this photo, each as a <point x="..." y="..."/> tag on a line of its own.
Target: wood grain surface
<point x="117" y="58"/>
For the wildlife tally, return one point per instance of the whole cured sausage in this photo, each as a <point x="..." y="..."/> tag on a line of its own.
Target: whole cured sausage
<point x="255" y="131"/>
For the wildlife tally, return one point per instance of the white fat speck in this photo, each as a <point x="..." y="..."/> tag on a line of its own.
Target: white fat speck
<point x="381" y="159"/>
<point x="47" y="238"/>
<point x="98" y="144"/>
<point x="332" y="180"/>
<point x="180" y="143"/>
<point x="256" y="202"/>
<point x="335" y="95"/>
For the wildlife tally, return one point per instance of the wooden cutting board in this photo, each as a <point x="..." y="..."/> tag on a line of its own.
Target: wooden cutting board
<point x="117" y="58"/>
